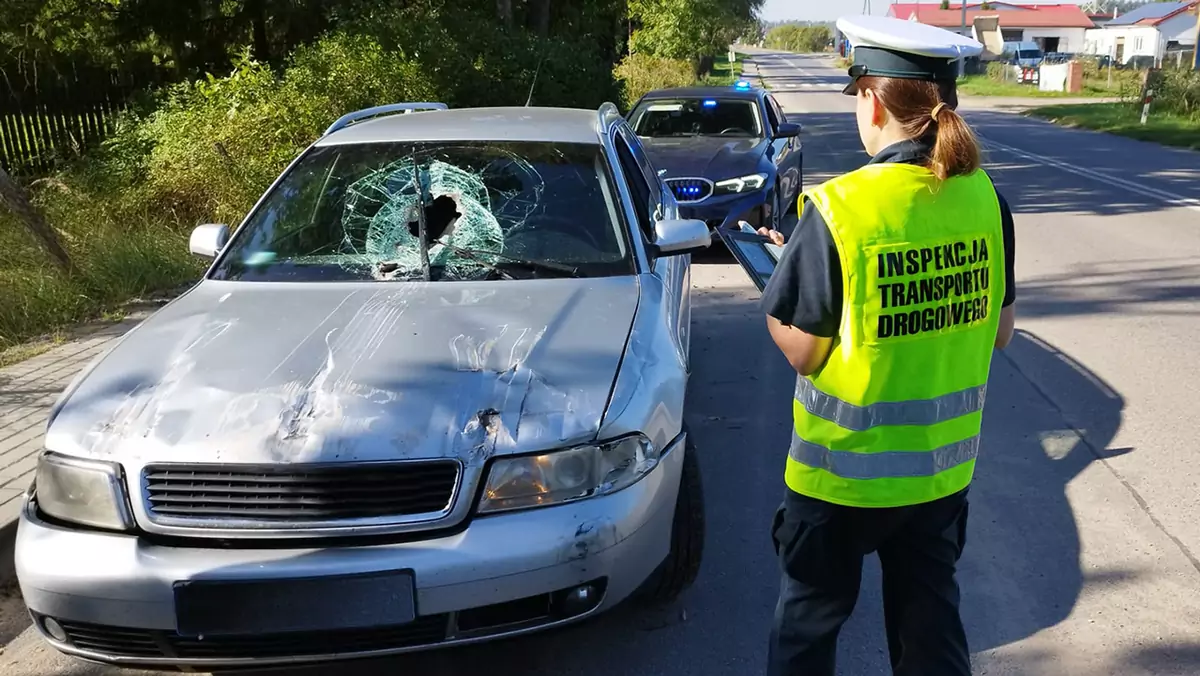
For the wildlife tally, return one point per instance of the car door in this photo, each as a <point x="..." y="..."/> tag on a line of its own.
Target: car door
<point x="786" y="153"/>
<point x="659" y="204"/>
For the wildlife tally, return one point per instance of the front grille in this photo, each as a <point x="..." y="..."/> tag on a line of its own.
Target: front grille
<point x="146" y="643"/>
<point x="690" y="189"/>
<point x="272" y="495"/>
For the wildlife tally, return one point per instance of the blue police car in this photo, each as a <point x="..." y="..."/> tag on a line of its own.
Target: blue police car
<point x="727" y="153"/>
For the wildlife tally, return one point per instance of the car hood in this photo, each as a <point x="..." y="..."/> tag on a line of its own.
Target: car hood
<point x="255" y="372"/>
<point x="710" y="157"/>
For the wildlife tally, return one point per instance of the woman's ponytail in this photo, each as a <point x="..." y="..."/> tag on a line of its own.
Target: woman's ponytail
<point x="956" y="150"/>
<point x="926" y="109"/>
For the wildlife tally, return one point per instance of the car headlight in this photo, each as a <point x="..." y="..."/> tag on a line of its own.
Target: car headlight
<point x="86" y="492"/>
<point x="567" y="475"/>
<point x="742" y="184"/>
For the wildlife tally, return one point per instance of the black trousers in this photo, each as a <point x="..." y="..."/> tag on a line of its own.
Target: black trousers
<point x="821" y="547"/>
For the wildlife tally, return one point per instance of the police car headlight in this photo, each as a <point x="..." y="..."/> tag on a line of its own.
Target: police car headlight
<point x="567" y="475"/>
<point x="738" y="185"/>
<point x="85" y="492"/>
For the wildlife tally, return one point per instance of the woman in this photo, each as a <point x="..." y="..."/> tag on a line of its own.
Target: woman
<point x="889" y="298"/>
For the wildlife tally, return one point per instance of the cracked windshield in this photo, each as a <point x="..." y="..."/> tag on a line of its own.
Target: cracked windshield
<point x="490" y="211"/>
<point x="697" y="117"/>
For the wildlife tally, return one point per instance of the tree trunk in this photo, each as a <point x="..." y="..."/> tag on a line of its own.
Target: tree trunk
<point x="15" y="200"/>
<point x="504" y="12"/>
<point x="258" y="20"/>
<point x="541" y="17"/>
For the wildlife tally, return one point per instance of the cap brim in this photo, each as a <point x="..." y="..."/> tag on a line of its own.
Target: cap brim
<point x="852" y="88"/>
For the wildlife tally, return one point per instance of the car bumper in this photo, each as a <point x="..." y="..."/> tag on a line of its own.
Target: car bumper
<point x="726" y="211"/>
<point x="113" y="596"/>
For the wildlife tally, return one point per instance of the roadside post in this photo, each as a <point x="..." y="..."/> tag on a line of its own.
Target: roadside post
<point x="1146" y="104"/>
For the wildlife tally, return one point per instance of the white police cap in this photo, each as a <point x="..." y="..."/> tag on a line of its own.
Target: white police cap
<point x="889" y="47"/>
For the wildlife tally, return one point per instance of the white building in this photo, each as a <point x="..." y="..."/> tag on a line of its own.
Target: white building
<point x="1054" y="27"/>
<point x="1149" y="31"/>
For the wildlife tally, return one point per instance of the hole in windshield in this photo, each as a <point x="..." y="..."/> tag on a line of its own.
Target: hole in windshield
<point x="491" y="211"/>
<point x="697" y="117"/>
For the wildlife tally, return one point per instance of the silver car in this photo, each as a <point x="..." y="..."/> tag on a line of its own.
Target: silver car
<point x="430" y="392"/>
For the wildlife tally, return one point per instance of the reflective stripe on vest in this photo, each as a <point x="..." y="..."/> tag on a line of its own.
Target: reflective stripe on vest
<point x="859" y="418"/>
<point x="893" y="415"/>
<point x="885" y="464"/>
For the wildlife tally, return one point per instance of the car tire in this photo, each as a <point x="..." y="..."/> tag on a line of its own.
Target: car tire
<point x="679" y="570"/>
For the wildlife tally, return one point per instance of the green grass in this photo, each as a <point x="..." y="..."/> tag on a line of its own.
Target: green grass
<point x="1124" y="119"/>
<point x="724" y="73"/>
<point x="118" y="256"/>
<point x="982" y="85"/>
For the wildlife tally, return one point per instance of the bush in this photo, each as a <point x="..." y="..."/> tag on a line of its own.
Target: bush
<point x="1178" y="91"/>
<point x="1000" y="71"/>
<point x="794" y="38"/>
<point x="640" y="73"/>
<point x="206" y="151"/>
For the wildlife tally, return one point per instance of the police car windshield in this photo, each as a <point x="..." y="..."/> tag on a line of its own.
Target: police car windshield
<point x="697" y="117"/>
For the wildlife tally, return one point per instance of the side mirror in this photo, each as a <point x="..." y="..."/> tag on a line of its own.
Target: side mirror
<point x="207" y="240"/>
<point x="680" y="236"/>
<point x="788" y="129"/>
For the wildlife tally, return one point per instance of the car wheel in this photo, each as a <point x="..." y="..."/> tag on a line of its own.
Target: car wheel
<point x="678" y="571"/>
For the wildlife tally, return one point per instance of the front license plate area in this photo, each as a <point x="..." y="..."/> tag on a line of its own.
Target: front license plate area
<point x="237" y="607"/>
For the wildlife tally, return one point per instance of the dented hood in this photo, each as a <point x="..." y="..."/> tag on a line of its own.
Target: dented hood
<point x="280" y="373"/>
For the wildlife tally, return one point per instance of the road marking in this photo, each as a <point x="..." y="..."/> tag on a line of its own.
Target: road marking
<point x="1145" y="190"/>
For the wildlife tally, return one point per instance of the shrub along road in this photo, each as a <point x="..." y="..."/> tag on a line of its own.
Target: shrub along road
<point x="1083" y="518"/>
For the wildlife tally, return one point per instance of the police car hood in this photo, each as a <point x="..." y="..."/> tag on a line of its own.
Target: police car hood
<point x="713" y="157"/>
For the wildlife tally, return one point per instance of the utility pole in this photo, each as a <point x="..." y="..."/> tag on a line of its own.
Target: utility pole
<point x="962" y="61"/>
<point x="1196" y="45"/>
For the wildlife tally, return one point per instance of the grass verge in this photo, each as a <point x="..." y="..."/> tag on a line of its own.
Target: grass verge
<point x="1125" y="120"/>
<point x="982" y="85"/>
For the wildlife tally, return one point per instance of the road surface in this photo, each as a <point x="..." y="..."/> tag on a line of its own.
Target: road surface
<point x="1085" y="519"/>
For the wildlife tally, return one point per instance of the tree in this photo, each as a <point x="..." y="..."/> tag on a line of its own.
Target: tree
<point x="688" y="29"/>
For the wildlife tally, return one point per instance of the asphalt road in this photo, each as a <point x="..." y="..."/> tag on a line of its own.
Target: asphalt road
<point x="1085" y="519"/>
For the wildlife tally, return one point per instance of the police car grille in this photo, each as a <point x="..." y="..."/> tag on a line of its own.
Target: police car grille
<point x="266" y="496"/>
<point x="690" y="189"/>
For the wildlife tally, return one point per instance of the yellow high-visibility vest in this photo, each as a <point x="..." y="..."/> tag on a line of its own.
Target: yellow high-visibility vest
<point x="893" y="416"/>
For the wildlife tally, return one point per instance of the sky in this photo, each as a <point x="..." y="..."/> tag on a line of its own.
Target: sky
<point x="828" y="10"/>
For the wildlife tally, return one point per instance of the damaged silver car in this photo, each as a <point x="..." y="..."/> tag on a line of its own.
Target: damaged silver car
<point x="429" y="392"/>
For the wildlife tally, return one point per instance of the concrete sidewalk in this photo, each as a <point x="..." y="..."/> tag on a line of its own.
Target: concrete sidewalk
<point x="27" y="392"/>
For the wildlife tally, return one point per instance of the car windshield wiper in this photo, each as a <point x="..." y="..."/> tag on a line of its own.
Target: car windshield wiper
<point x="559" y="269"/>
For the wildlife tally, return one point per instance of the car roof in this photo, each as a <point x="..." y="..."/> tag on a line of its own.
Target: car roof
<point x="751" y="94"/>
<point x="529" y="124"/>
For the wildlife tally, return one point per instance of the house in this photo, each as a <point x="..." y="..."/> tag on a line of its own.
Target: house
<point x="1147" y="33"/>
<point x="1054" y="27"/>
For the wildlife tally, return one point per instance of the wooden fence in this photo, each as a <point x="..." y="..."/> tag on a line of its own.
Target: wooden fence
<point x="55" y="116"/>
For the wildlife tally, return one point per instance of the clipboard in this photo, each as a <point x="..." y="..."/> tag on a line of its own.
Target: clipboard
<point x="755" y="253"/>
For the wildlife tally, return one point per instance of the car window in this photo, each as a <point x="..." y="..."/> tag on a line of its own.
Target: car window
<point x="492" y="210"/>
<point x="697" y="117"/>
<point x="772" y="118"/>
<point x="776" y="112"/>
<point x="644" y="200"/>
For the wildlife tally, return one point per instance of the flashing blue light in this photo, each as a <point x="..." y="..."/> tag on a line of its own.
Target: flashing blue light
<point x="742" y="84"/>
<point x="709" y="103"/>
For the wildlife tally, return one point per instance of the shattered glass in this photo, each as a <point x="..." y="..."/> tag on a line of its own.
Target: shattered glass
<point x="352" y="212"/>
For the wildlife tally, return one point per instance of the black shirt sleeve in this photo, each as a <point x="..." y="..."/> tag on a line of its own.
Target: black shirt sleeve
<point x="805" y="291"/>
<point x="1008" y="233"/>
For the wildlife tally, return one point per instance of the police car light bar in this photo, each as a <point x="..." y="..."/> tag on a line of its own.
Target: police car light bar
<point x="742" y="84"/>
